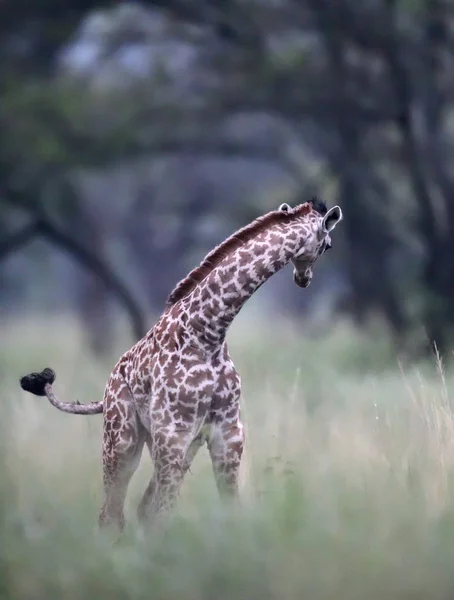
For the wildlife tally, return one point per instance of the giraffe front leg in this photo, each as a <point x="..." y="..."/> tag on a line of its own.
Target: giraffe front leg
<point x="142" y="508"/>
<point x="226" y="449"/>
<point x="194" y="447"/>
<point x="172" y="454"/>
<point x="147" y="498"/>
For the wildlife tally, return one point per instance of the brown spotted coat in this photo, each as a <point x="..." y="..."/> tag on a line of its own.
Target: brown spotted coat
<point x="177" y="388"/>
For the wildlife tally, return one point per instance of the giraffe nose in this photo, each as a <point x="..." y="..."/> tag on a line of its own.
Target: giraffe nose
<point x="301" y="280"/>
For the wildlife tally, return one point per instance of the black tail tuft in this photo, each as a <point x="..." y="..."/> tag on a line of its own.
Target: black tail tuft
<point x="36" y="382"/>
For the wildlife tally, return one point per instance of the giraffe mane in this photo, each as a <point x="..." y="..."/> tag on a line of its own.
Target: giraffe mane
<point x="237" y="239"/>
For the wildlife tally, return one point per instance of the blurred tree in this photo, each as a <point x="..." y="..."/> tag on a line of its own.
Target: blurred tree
<point x="42" y="224"/>
<point x="364" y="88"/>
<point x="31" y="34"/>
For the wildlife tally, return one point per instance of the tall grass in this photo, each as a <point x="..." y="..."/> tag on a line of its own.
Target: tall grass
<point x="347" y="480"/>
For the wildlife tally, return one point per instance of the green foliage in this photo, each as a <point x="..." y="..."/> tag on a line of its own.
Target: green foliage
<point x="411" y="7"/>
<point x="49" y="128"/>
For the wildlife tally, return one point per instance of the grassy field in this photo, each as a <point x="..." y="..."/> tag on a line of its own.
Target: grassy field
<point x="347" y="480"/>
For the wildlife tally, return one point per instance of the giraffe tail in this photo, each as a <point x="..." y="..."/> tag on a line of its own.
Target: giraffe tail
<point x="40" y="384"/>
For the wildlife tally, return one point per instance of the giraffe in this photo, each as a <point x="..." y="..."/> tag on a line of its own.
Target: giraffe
<point x="177" y="388"/>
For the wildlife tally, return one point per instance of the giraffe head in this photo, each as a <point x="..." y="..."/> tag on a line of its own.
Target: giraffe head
<point x="315" y="238"/>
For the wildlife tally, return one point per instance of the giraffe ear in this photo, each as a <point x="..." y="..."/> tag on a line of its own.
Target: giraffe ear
<point x="285" y="207"/>
<point x="332" y="218"/>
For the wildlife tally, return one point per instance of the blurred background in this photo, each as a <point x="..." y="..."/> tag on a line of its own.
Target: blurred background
<point x="137" y="135"/>
<point x="134" y="136"/>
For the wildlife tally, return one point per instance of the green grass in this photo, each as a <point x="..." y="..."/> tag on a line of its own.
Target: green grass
<point x="347" y="480"/>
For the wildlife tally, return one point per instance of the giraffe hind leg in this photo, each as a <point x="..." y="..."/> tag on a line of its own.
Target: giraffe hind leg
<point x="123" y="440"/>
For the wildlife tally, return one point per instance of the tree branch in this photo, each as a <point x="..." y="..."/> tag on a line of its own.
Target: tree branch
<point x="93" y="263"/>
<point x="58" y="237"/>
<point x="18" y="239"/>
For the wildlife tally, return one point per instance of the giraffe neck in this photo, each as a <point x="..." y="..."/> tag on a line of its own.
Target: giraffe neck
<point x="215" y="302"/>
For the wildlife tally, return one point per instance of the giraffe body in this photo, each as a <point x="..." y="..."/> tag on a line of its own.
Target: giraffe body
<point x="177" y="388"/>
